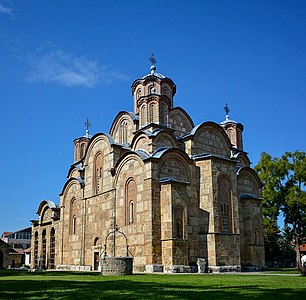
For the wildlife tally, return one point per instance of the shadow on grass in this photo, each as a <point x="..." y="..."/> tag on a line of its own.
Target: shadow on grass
<point x="13" y="272"/>
<point x="67" y="285"/>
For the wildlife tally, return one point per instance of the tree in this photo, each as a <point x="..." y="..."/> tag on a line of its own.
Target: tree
<point x="284" y="181"/>
<point x="271" y="240"/>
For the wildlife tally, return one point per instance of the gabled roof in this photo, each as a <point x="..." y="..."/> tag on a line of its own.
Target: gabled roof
<point x="120" y="114"/>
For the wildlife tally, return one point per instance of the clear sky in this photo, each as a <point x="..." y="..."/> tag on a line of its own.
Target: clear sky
<point x="64" y="61"/>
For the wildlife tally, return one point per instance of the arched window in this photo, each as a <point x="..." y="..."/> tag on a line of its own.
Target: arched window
<point x="52" y="249"/>
<point x="76" y="154"/>
<point x="44" y="250"/>
<point x="166" y="91"/>
<point x="73" y="211"/>
<point x="138" y="93"/>
<point x="143" y="115"/>
<point x="163" y="114"/>
<point x="96" y="241"/>
<point x="123" y="132"/>
<point x="179" y="222"/>
<point x="230" y="134"/>
<point x="152" y="113"/>
<point x="98" y="173"/>
<point x="225" y="205"/>
<point x="152" y="89"/>
<point x="82" y="150"/>
<point x="239" y="139"/>
<point x="130" y="200"/>
<point x="36" y="250"/>
<point x="256" y="241"/>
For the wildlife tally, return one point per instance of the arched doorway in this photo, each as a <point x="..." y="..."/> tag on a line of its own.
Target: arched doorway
<point x="96" y="254"/>
<point x="1" y="259"/>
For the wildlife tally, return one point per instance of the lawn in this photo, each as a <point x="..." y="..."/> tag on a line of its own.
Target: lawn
<point x="73" y="285"/>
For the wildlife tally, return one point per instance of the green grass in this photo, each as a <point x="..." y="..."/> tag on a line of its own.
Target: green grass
<point x="283" y="270"/>
<point x="73" y="285"/>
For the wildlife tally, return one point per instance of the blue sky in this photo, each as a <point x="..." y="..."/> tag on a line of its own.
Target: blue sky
<point x="64" y="61"/>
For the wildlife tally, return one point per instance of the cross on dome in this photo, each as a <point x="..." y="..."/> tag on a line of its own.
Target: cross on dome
<point x="87" y="125"/>
<point x="152" y="59"/>
<point x="227" y="110"/>
<point x="153" y="62"/>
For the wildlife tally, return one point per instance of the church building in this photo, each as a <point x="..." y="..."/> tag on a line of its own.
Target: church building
<point x="179" y="192"/>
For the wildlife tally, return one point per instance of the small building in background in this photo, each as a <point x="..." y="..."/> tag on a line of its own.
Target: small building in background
<point x="20" y="239"/>
<point x="15" y="248"/>
<point x="10" y="258"/>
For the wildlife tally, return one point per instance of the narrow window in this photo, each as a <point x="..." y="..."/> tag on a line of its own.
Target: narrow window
<point x="131" y="212"/>
<point x="36" y="251"/>
<point x="82" y="150"/>
<point x="225" y="206"/>
<point x="98" y="174"/>
<point x="73" y="220"/>
<point x="138" y="93"/>
<point x="130" y="205"/>
<point x="163" y="115"/>
<point x="123" y="132"/>
<point x="179" y="219"/>
<point x="256" y="238"/>
<point x="179" y="230"/>
<point x="143" y="115"/>
<point x="76" y="155"/>
<point x="44" y="250"/>
<point x="52" y="249"/>
<point x="152" y="113"/>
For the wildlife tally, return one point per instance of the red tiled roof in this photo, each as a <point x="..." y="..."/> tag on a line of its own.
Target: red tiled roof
<point x="5" y="233"/>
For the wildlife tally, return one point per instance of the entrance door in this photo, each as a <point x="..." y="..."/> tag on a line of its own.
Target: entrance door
<point x="1" y="259"/>
<point x="96" y="261"/>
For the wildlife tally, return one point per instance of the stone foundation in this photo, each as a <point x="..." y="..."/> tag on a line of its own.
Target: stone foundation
<point x="177" y="269"/>
<point x="73" y="268"/>
<point x="154" y="268"/>
<point x="117" y="266"/>
<point x="223" y="269"/>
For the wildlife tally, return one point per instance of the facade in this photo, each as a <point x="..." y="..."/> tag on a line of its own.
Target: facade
<point x="179" y="192"/>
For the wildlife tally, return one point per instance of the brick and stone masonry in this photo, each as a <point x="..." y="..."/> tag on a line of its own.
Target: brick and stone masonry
<point x="181" y="193"/>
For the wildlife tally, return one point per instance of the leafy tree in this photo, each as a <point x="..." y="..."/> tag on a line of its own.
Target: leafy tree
<point x="271" y="239"/>
<point x="284" y="181"/>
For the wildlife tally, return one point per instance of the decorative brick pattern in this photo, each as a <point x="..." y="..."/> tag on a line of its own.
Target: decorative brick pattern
<point x="172" y="188"/>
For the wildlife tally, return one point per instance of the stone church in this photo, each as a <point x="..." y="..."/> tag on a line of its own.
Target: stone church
<point x="179" y="192"/>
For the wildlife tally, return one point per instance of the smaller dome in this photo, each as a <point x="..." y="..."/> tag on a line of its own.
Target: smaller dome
<point x="228" y="121"/>
<point x="153" y="69"/>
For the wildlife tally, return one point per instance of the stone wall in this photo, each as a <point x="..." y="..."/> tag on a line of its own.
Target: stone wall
<point x="179" y="205"/>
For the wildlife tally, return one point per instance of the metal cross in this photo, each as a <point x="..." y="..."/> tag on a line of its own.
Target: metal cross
<point x="152" y="59"/>
<point x="226" y="108"/>
<point x="87" y="124"/>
